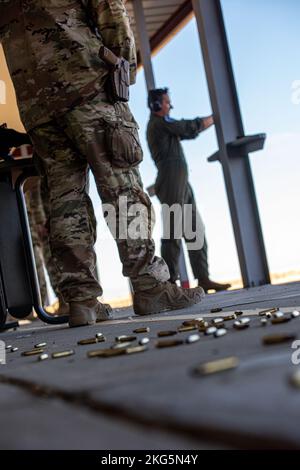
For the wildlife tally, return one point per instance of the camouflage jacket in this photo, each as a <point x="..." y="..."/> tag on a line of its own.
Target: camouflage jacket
<point x="52" y="52"/>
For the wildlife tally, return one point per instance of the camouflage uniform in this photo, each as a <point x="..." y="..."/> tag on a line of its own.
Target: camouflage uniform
<point x="52" y="55"/>
<point x="36" y="218"/>
<point x="38" y="214"/>
<point x="53" y="273"/>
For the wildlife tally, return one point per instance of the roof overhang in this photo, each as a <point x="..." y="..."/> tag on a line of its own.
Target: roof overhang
<point x="164" y="19"/>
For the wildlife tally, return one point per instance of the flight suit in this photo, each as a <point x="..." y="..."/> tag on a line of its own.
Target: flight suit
<point x="164" y="136"/>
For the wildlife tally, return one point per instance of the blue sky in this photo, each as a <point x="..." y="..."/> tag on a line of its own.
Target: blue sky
<point x="264" y="41"/>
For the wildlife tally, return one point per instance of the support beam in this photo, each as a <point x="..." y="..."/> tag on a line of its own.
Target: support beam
<point x="232" y="155"/>
<point x="144" y="43"/>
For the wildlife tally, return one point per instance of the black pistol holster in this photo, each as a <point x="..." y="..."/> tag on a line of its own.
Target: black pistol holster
<point x="119" y="78"/>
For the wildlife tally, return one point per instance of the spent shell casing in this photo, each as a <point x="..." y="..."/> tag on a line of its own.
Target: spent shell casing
<point x="8" y="347"/>
<point x="216" y="310"/>
<point x="110" y="352"/>
<point x="295" y="379"/>
<point x="238" y="325"/>
<point x="192" y="338"/>
<point x="217" y="321"/>
<point x="220" y="325"/>
<point x="90" y="341"/>
<point x="14" y="349"/>
<point x="145" y="329"/>
<point x="278" y="314"/>
<point x="135" y="349"/>
<point x="278" y="338"/>
<point x="168" y="343"/>
<point x="273" y="310"/>
<point x="188" y="323"/>
<point x="202" y="328"/>
<point x="193" y="322"/>
<point x="60" y="354"/>
<point x="210" y="330"/>
<point x="278" y="320"/>
<point x="99" y="335"/>
<point x="220" y="332"/>
<point x="43" y="357"/>
<point x="101" y="338"/>
<point x="40" y="345"/>
<point x="230" y="317"/>
<point x="166" y="333"/>
<point x="183" y="329"/>
<point x="198" y="321"/>
<point x="144" y="341"/>
<point x="219" y="365"/>
<point x="33" y="352"/>
<point x="125" y="338"/>
<point x="121" y="345"/>
<point x="268" y="310"/>
<point x="295" y="314"/>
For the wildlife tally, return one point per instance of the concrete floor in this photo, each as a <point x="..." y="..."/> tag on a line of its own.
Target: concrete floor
<point x="152" y="400"/>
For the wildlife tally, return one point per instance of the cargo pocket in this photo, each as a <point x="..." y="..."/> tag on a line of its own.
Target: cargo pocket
<point x="123" y="144"/>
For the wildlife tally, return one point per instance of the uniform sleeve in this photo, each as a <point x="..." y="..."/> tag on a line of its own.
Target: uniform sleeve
<point x="185" y="128"/>
<point x="113" y="23"/>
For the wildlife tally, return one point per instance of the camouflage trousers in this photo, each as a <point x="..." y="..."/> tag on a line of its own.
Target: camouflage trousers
<point x="67" y="147"/>
<point x="53" y="273"/>
<point x="35" y="214"/>
<point x="37" y="209"/>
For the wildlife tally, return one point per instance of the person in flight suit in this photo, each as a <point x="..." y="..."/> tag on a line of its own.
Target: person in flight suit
<point x="164" y="136"/>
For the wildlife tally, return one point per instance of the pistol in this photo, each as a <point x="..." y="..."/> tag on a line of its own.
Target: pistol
<point x="119" y="78"/>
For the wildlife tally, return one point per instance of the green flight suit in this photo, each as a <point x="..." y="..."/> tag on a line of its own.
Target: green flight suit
<point x="164" y="137"/>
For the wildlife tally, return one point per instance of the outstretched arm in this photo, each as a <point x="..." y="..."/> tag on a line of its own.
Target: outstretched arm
<point x="188" y="128"/>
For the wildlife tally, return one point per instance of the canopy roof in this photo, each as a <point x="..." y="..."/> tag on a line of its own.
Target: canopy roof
<point x="164" y="18"/>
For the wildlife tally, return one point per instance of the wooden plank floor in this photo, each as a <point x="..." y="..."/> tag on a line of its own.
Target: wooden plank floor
<point x="153" y="399"/>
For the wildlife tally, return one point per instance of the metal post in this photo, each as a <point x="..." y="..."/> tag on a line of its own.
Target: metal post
<point x="233" y="145"/>
<point x="144" y="44"/>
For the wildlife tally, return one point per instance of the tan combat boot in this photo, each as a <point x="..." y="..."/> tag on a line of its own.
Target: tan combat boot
<point x="165" y="296"/>
<point x="88" y="312"/>
<point x="59" y="307"/>
<point x="63" y="308"/>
